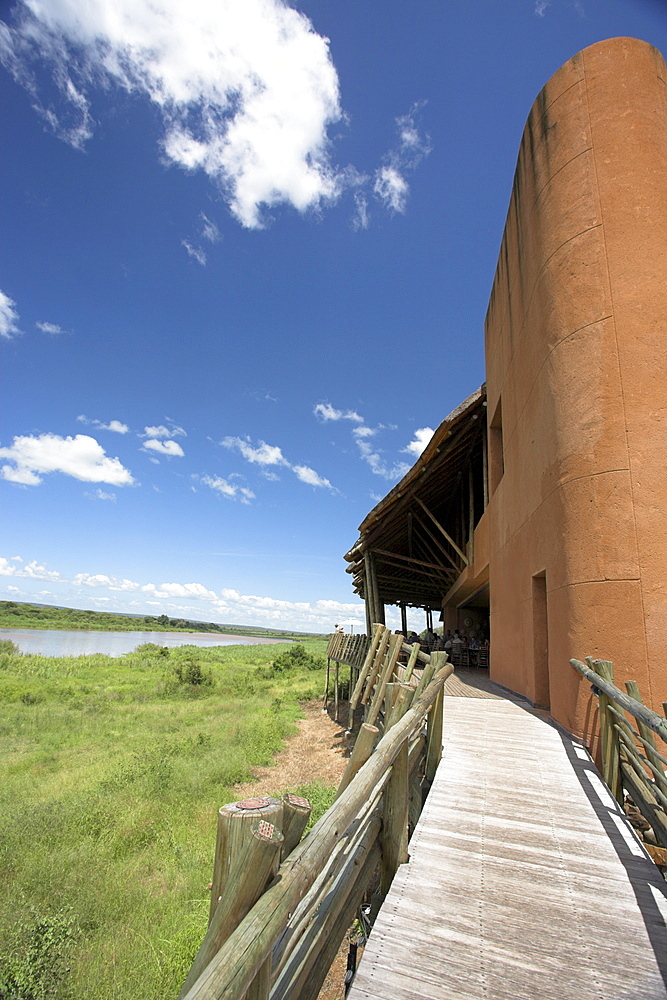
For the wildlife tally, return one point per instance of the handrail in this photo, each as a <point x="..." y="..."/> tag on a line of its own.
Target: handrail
<point x="636" y="708"/>
<point x="631" y="762"/>
<point x="367" y="823"/>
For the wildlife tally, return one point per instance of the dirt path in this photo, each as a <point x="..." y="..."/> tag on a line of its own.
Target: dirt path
<point x="317" y="752"/>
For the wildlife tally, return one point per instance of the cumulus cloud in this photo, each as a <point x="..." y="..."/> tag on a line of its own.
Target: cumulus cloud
<point x="308" y="475"/>
<point x="102" y="580"/>
<point x="233" y="491"/>
<point x="160" y="431"/>
<point x="419" y="442"/>
<point x="246" y="91"/>
<point x="170" y="448"/>
<point x="31" y="570"/>
<point x="81" y="457"/>
<point x="390" y="185"/>
<point x="263" y="454"/>
<point x="325" y="411"/>
<point x="8" y="317"/>
<point x="114" y="425"/>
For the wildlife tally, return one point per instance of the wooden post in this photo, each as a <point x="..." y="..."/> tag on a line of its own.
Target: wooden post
<point x="251" y="869"/>
<point x="401" y="703"/>
<point x="363" y="748"/>
<point x="633" y="690"/>
<point x="404" y="620"/>
<point x="425" y="679"/>
<point x="296" y="813"/>
<point x="610" y="748"/>
<point x="414" y="653"/>
<point x="326" y="686"/>
<point x="367" y="664"/>
<point x="235" y="825"/>
<point x="377" y="664"/>
<point x="395" y="644"/>
<point x="394" y="836"/>
<point x="336" y="689"/>
<point x="434" y="739"/>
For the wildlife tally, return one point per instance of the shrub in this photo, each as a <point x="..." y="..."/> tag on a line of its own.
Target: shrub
<point x="296" y="658"/>
<point x="37" y="967"/>
<point x="9" y="648"/>
<point x="190" y="672"/>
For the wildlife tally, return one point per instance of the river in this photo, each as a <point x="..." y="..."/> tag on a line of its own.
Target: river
<point x="60" y="642"/>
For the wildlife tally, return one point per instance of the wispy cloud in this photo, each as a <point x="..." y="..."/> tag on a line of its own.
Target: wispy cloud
<point x="233" y="491"/>
<point x="117" y="426"/>
<point x="362" y="435"/>
<point x="81" y="457"/>
<point x="160" y="431"/>
<point x="541" y="7"/>
<point x="51" y="328"/>
<point x="271" y="455"/>
<point x="99" y="494"/>
<point x="390" y="185"/>
<point x="209" y="230"/>
<point x="9" y="317"/>
<point x="195" y="252"/>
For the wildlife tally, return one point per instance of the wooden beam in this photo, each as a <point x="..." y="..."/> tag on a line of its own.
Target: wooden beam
<point x="435" y="541"/>
<point x="442" y="530"/>
<point x="407" y="559"/>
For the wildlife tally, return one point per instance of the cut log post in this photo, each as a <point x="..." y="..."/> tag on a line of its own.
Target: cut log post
<point x="388" y="669"/>
<point x="336" y="689"/>
<point x="367" y="664"/>
<point x="412" y="662"/>
<point x="610" y="748"/>
<point x="235" y="823"/>
<point x="425" y="679"/>
<point x="251" y="870"/>
<point x="296" y="813"/>
<point x="394" y="835"/>
<point x="400" y="704"/>
<point x="326" y="686"/>
<point x="363" y="748"/>
<point x="646" y="802"/>
<point x="385" y="636"/>
<point x="434" y="738"/>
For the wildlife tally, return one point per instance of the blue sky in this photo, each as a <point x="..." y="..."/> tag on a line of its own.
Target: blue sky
<point x="244" y="274"/>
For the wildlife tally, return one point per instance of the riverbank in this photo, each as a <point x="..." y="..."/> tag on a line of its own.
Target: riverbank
<point x="14" y="614"/>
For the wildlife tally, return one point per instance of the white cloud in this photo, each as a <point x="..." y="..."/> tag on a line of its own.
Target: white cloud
<point x="421" y="439"/>
<point x="164" y="432"/>
<point x="170" y="448"/>
<point x="308" y="475"/>
<point x="264" y="454"/>
<point x="325" y="411"/>
<point x="102" y="580"/>
<point x="209" y="230"/>
<point x="196" y="252"/>
<point x="390" y="184"/>
<point x="51" y="328"/>
<point x="114" y="425"/>
<point x="541" y="7"/>
<point x="8" y="317"/>
<point x="362" y="434"/>
<point x="32" y="570"/>
<point x="232" y="490"/>
<point x="81" y="457"/>
<point x="101" y="495"/>
<point x="246" y="91"/>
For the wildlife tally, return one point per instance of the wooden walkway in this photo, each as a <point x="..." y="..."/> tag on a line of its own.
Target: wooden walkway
<point x="524" y="882"/>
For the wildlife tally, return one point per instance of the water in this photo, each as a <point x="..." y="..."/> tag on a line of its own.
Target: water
<point x="59" y="642"/>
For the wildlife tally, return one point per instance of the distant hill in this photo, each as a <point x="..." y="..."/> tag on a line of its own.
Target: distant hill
<point x="16" y="614"/>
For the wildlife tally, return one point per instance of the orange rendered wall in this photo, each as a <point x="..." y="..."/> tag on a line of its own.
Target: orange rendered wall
<point x="576" y="349"/>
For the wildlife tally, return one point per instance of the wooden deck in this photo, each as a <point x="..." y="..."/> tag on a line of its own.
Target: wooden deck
<point x="524" y="879"/>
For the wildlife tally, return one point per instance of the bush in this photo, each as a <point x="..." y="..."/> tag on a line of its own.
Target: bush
<point x="9" y="648"/>
<point x="37" y="968"/>
<point x="296" y="658"/>
<point x="190" y="672"/>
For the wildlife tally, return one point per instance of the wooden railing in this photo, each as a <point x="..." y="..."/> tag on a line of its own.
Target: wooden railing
<point x="350" y="650"/>
<point x="276" y="927"/>
<point x="631" y="761"/>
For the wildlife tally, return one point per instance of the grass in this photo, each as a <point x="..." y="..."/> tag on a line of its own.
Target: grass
<point x="111" y="774"/>
<point x="14" y="614"/>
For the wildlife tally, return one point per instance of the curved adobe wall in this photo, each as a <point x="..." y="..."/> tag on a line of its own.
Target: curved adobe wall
<point x="576" y="350"/>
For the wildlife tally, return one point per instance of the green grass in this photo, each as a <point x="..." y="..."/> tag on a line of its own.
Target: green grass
<point x="15" y="614"/>
<point x="111" y="773"/>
